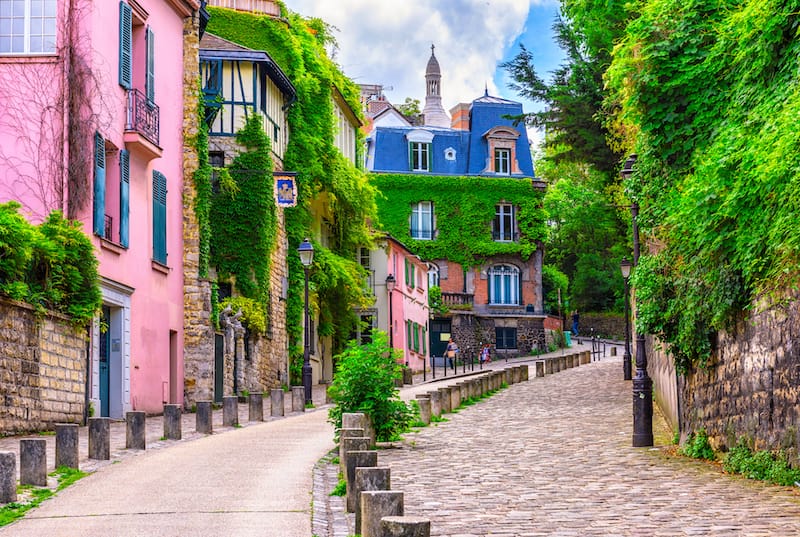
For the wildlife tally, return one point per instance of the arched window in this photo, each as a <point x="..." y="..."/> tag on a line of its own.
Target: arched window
<point x="504" y="285"/>
<point x="433" y="275"/>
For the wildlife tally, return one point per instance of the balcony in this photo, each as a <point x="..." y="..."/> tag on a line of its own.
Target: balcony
<point x="142" y="125"/>
<point x="458" y="301"/>
<point x="265" y="7"/>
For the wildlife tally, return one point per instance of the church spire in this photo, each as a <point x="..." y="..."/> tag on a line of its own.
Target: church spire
<point x="434" y="112"/>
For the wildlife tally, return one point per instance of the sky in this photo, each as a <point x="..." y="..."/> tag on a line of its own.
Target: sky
<point x="388" y="42"/>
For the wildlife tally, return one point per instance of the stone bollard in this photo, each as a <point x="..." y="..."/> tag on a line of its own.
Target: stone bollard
<point x="613" y="351"/>
<point x="376" y="504"/>
<point x="455" y="397"/>
<point x="135" y="430"/>
<point x="33" y="462"/>
<point x="515" y="375"/>
<point x="424" y="403"/>
<point x="539" y="368"/>
<point x="298" y="399"/>
<point x="444" y="393"/>
<point x="576" y="362"/>
<point x="405" y="526"/>
<point x="525" y="373"/>
<point x="8" y="477"/>
<point x="356" y="459"/>
<point x="485" y="385"/>
<point x="100" y="438"/>
<point x="67" y="445"/>
<point x="204" y="418"/>
<point x="347" y="433"/>
<point x="256" y="407"/>
<point x="376" y="478"/>
<point x="408" y="376"/>
<point x="508" y="376"/>
<point x="464" y="390"/>
<point x="276" y="398"/>
<point x="549" y="369"/>
<point x="172" y="422"/>
<point x="354" y="420"/>
<point x="474" y="388"/>
<point x="353" y="443"/>
<point x="436" y="403"/>
<point x="586" y="357"/>
<point x="563" y="362"/>
<point x="230" y="411"/>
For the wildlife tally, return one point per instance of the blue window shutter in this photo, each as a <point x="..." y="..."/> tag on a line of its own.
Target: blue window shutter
<point x="99" y="212"/>
<point x="125" y="45"/>
<point x="124" y="196"/>
<point x="159" y="217"/>
<point x="150" y="82"/>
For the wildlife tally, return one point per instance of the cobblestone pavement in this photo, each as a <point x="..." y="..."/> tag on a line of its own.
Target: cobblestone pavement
<point x="553" y="456"/>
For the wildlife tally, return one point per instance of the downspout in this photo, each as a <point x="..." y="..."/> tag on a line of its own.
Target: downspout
<point x="67" y="71"/>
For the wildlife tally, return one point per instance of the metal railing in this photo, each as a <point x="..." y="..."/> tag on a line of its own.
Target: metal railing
<point x="143" y="116"/>
<point x="458" y="299"/>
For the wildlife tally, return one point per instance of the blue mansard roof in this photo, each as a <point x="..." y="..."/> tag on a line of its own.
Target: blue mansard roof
<point x="455" y="151"/>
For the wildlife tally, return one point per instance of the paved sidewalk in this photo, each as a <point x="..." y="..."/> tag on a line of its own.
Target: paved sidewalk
<point x="553" y="457"/>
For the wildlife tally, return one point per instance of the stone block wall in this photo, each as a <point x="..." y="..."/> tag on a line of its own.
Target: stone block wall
<point x="42" y="370"/>
<point x="470" y="332"/>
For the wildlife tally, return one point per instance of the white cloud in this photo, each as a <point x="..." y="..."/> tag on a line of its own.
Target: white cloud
<point x="387" y="42"/>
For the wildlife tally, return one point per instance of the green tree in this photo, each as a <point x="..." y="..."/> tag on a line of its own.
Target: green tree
<point x="410" y="108"/>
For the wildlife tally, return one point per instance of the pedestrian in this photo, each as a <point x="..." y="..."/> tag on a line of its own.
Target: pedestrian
<point x="575" y="319"/>
<point x="452" y="349"/>
<point x="485" y="354"/>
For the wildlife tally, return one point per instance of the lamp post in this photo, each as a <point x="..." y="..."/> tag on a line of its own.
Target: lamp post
<point x="306" y="251"/>
<point x="625" y="268"/>
<point x="390" y="281"/>
<point x="642" y="383"/>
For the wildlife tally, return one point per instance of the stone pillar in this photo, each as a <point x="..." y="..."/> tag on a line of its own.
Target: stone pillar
<point x="524" y="371"/>
<point x="455" y="397"/>
<point x="135" y="430"/>
<point x="298" y="399"/>
<point x="405" y="526"/>
<point x="230" y="411"/>
<point x="539" y="368"/>
<point x="276" y="398"/>
<point x="515" y="375"/>
<point x="408" y="376"/>
<point x="67" y="445"/>
<point x="354" y="420"/>
<point x="256" y="407"/>
<point x="348" y="433"/>
<point x="436" y="403"/>
<point x="463" y="388"/>
<point x="172" y="422"/>
<point x="353" y="460"/>
<point x="33" y="462"/>
<point x="351" y="443"/>
<point x="8" y="477"/>
<point x="549" y="370"/>
<point x="204" y="418"/>
<point x="562" y="361"/>
<point x="100" y="438"/>
<point x="445" y="399"/>
<point x="376" y="504"/>
<point x="424" y="409"/>
<point x="377" y="478"/>
<point x="613" y="351"/>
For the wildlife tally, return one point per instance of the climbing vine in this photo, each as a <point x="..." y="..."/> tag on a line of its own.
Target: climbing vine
<point x="202" y="188"/>
<point x="464" y="209"/>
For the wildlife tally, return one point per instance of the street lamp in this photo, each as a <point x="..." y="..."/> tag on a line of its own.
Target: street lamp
<point x="625" y="268"/>
<point x="306" y="251"/>
<point x="390" y="281"/>
<point x="642" y="383"/>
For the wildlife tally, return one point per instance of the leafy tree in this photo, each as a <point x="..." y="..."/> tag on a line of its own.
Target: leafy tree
<point x="555" y="286"/>
<point x="365" y="382"/>
<point x="410" y="108"/>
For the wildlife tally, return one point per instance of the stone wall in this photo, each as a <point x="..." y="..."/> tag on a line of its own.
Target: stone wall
<point x="470" y="332"/>
<point x="42" y="370"/>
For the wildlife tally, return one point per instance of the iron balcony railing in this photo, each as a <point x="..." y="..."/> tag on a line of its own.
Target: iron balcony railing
<point x="457" y="299"/>
<point x="143" y="116"/>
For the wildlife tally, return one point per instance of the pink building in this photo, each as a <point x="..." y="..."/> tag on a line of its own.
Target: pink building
<point x="92" y="122"/>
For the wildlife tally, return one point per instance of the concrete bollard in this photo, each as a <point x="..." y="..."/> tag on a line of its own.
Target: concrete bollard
<point x="276" y="398"/>
<point x="8" y="477"/>
<point x="172" y="422"/>
<point x="100" y="438"/>
<point x="444" y="393"/>
<point x="33" y="462"/>
<point x="204" y="418"/>
<point x="298" y="399"/>
<point x="230" y="411"/>
<point x="135" y="430"/>
<point x="436" y="403"/>
<point x="376" y="504"/>
<point x="256" y="407"/>
<point x="353" y="460"/>
<point x="67" y="445"/>
<point x="424" y="409"/>
<point x="376" y="478"/>
<point x="405" y="526"/>
<point x="455" y="397"/>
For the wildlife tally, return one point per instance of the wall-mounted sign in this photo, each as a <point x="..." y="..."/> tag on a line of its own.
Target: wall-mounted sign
<point x="285" y="188"/>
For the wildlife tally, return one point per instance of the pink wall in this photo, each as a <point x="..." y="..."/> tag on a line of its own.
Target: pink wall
<point x="409" y="303"/>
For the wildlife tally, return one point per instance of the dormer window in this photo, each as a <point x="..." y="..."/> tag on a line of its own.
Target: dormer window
<point x="501" y="157"/>
<point x="419" y="150"/>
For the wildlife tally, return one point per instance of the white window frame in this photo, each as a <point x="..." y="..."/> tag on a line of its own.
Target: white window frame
<point x="504" y="285"/>
<point x="49" y="40"/>
<point x="433" y="275"/>
<point x="502" y="160"/>
<point x="420" y="156"/>
<point x="422" y="212"/>
<point x="504" y="222"/>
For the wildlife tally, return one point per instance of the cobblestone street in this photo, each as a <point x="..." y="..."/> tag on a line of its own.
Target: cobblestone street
<point x="553" y="457"/>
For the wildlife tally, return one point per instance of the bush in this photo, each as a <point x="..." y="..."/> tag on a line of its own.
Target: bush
<point x="762" y="465"/>
<point x="697" y="446"/>
<point x="365" y="382"/>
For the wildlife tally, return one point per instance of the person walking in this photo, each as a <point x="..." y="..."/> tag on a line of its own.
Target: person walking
<point x="452" y="350"/>
<point x="575" y="319"/>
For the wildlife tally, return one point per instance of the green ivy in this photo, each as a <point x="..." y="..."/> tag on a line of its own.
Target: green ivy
<point x="202" y="187"/>
<point x="254" y="312"/>
<point x="464" y="210"/>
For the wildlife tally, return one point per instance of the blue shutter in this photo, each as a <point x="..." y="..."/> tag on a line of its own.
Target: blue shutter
<point x="159" y="217"/>
<point x="125" y="45"/>
<point x="124" y="196"/>
<point x="150" y="81"/>
<point x="99" y="212"/>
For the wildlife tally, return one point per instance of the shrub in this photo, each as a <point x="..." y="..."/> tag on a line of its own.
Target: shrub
<point x="697" y="446"/>
<point x="365" y="382"/>
<point x="762" y="465"/>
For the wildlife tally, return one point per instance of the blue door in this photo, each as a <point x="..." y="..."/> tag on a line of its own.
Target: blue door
<point x="105" y="354"/>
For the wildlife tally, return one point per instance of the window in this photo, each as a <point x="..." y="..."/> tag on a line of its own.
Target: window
<point x="125" y="45"/>
<point x="365" y="328"/>
<point x="415" y="337"/>
<point x="503" y="225"/>
<point x="110" y="205"/>
<point x="159" y="217"/>
<point x="27" y="26"/>
<point x="411" y="273"/>
<point x="505" y="337"/>
<point x="422" y="220"/>
<point x="504" y="285"/>
<point x="502" y="157"/>
<point x="433" y="275"/>
<point x="420" y="152"/>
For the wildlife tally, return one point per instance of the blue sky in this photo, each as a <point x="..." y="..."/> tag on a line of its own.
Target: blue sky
<point x="388" y="42"/>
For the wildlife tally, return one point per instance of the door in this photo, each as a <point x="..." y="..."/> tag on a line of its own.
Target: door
<point x="105" y="354"/>
<point x="219" y="366"/>
<point x="439" y="334"/>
